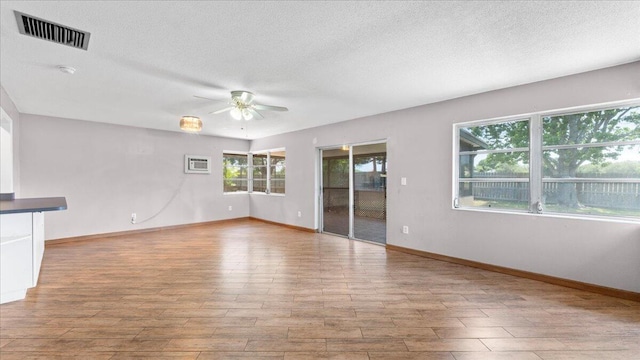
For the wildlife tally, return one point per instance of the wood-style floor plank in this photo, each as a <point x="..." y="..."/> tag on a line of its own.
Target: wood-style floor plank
<point x="250" y="290"/>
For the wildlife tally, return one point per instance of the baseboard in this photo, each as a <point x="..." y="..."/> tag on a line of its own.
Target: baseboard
<point x="603" y="290"/>
<point x="54" y="242"/>
<point x="299" y="228"/>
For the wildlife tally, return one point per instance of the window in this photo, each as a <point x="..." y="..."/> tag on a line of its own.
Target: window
<point x="262" y="172"/>
<point x="234" y="171"/>
<point x="277" y="172"/>
<point x="269" y="172"/>
<point x="591" y="162"/>
<point x="259" y="171"/>
<point x="494" y="167"/>
<point x="580" y="162"/>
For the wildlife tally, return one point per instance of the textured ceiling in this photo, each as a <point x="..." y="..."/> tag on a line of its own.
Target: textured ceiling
<point x="325" y="61"/>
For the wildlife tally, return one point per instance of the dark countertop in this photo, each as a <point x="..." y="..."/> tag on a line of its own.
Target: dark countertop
<point x="33" y="205"/>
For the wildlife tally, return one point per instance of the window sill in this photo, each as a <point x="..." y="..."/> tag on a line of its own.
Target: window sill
<point x="621" y="220"/>
<point x="265" y="194"/>
<point x="236" y="193"/>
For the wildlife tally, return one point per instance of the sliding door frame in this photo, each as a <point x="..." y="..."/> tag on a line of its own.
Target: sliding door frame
<point x="320" y="182"/>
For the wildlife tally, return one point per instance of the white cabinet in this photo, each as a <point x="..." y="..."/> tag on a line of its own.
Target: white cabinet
<point x="21" y="252"/>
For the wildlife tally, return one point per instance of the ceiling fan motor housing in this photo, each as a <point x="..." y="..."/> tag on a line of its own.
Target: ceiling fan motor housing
<point x="243" y="97"/>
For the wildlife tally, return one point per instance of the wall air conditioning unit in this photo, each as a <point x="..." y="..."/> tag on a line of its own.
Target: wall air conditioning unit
<point x="195" y="164"/>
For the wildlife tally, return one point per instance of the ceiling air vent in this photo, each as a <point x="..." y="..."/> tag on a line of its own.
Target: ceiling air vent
<point x="47" y="30"/>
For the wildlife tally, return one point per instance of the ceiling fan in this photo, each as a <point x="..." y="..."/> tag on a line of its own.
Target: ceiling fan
<point x="243" y="106"/>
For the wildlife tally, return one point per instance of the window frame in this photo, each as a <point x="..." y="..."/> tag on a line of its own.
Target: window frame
<point x="536" y="150"/>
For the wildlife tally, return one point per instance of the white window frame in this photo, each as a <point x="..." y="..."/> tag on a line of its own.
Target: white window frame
<point x="536" y="178"/>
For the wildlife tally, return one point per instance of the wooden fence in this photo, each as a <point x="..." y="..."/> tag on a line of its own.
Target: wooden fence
<point x="614" y="195"/>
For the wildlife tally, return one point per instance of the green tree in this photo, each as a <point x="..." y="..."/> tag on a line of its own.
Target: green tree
<point x="504" y="136"/>
<point x="233" y="168"/>
<point x="336" y="172"/>
<point x="613" y="125"/>
<point x="621" y="169"/>
<point x="229" y="172"/>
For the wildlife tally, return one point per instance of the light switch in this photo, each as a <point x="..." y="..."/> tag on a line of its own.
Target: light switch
<point x="403" y="181"/>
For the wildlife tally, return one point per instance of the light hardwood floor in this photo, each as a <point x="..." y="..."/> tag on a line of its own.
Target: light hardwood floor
<point x="246" y="289"/>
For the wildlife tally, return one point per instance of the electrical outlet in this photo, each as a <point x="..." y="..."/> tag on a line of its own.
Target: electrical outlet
<point x="299" y="213"/>
<point x="230" y="208"/>
<point x="405" y="229"/>
<point x="133" y="218"/>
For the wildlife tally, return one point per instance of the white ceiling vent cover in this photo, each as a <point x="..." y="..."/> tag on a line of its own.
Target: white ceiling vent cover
<point x="47" y="30"/>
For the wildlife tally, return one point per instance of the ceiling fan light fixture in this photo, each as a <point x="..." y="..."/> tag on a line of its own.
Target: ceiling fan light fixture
<point x="246" y="114"/>
<point x="242" y="106"/>
<point x="191" y="124"/>
<point x="236" y="113"/>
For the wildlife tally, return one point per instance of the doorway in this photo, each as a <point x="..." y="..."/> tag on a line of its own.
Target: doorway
<point x="354" y="191"/>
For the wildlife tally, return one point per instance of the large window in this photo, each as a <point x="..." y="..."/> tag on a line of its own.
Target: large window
<point x="576" y="162"/>
<point x="262" y="172"/>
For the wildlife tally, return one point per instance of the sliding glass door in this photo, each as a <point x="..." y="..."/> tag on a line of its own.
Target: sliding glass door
<point x="370" y="192"/>
<point x="335" y="191"/>
<point x="354" y="191"/>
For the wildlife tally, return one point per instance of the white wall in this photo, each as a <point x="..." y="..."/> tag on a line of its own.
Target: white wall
<point x="6" y="153"/>
<point x="10" y="108"/>
<point x="107" y="172"/>
<point x="420" y="143"/>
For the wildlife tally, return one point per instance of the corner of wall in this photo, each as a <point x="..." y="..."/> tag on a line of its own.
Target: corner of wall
<point x="10" y="108"/>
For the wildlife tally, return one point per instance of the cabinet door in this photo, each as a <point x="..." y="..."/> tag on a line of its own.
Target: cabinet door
<point x="15" y="267"/>
<point x="16" y="256"/>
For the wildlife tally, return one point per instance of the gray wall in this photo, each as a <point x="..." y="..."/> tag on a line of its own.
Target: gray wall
<point x="10" y="108"/>
<point x="107" y="172"/>
<point x="420" y="147"/>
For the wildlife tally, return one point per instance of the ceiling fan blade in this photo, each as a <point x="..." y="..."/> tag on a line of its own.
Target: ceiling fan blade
<point x="222" y="110"/>
<point x="256" y="115"/>
<point x="247" y="97"/>
<point x="269" y="107"/>
<point x="206" y="98"/>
